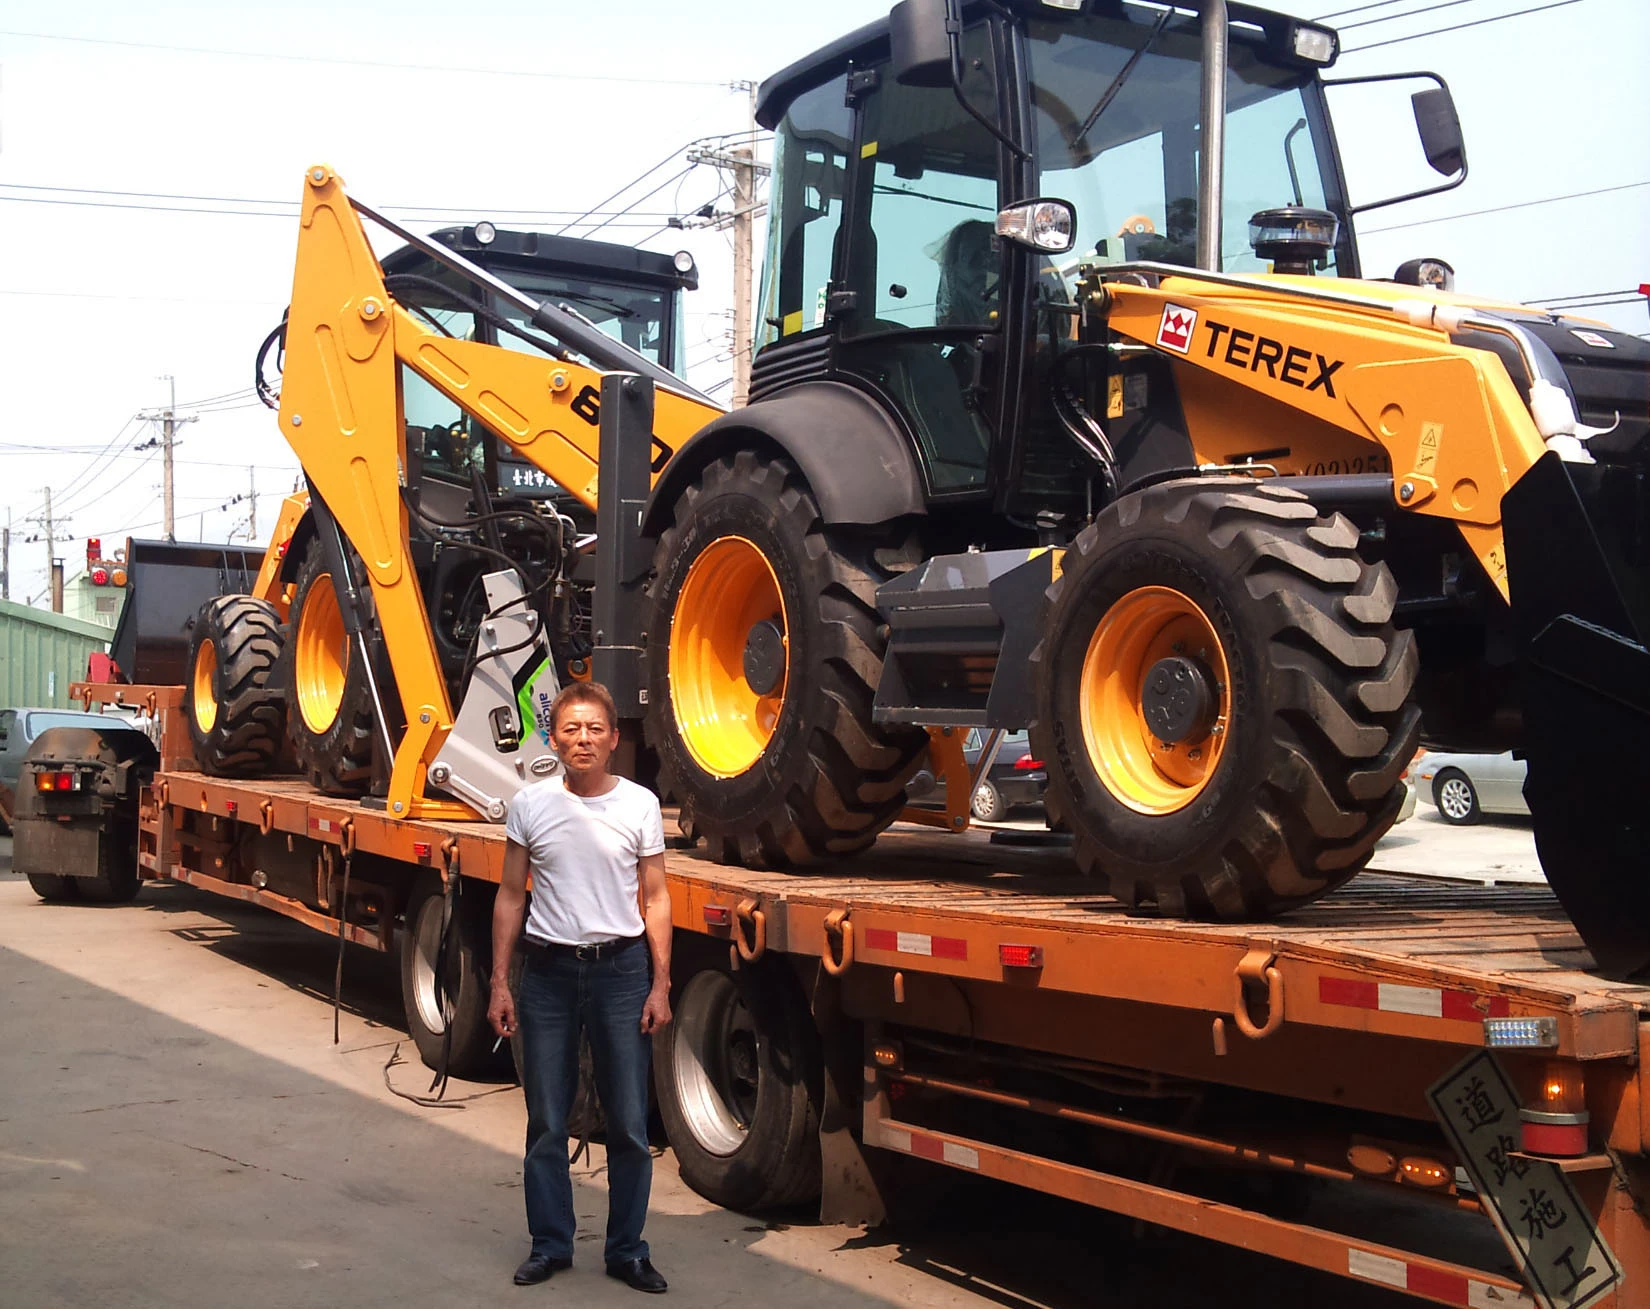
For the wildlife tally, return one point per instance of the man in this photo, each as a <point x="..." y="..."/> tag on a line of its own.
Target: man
<point x="594" y="844"/>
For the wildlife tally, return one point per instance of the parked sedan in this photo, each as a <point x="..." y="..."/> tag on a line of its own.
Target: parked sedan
<point x="1465" y="787"/>
<point x="1015" y="778"/>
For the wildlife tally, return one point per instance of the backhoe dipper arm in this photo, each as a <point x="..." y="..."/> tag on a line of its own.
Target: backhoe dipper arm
<point x="341" y="413"/>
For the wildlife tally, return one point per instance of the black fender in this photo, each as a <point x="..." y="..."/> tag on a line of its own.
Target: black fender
<point x="296" y="547"/>
<point x="856" y="459"/>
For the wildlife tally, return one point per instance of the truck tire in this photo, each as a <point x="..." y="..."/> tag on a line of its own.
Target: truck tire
<point x="464" y="988"/>
<point x="116" y="885"/>
<point x="1235" y="620"/>
<point x="764" y="652"/>
<point x="236" y="716"/>
<point x="736" y="1075"/>
<point x="54" y="888"/>
<point x="327" y="694"/>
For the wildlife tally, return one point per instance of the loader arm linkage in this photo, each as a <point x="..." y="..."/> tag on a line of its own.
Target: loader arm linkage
<point x="341" y="411"/>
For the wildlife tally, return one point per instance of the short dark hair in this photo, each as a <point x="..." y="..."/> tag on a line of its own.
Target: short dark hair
<point x="584" y="693"/>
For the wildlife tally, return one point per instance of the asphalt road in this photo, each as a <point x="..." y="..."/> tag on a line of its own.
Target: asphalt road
<point x="177" y="1129"/>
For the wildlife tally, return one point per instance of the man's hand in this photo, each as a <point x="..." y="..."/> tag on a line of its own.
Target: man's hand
<point x="501" y="1011"/>
<point x="656" y="1012"/>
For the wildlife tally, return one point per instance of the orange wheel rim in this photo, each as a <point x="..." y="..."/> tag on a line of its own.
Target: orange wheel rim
<point x="321" y="659"/>
<point x="1148" y="775"/>
<point x="722" y="720"/>
<point x="206" y="672"/>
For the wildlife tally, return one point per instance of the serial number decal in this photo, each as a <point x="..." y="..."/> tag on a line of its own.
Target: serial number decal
<point x="1356" y="464"/>
<point x="1283" y="362"/>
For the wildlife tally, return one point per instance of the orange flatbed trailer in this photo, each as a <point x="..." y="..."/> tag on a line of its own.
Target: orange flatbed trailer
<point x="1324" y="1030"/>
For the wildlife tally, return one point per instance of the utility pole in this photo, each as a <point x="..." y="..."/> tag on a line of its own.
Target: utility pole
<point x="252" y="511"/>
<point x="168" y="427"/>
<point x="741" y="163"/>
<point x="5" y="560"/>
<point x="54" y="566"/>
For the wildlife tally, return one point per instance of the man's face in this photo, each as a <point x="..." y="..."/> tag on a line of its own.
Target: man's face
<point x="584" y="738"/>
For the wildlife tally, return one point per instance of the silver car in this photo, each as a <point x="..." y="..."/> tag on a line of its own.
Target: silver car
<point x="1465" y="787"/>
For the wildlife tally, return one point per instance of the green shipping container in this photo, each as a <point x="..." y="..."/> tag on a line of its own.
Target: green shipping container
<point x="41" y="653"/>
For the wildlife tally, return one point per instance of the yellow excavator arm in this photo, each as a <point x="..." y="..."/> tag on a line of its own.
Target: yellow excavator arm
<point x="341" y="411"/>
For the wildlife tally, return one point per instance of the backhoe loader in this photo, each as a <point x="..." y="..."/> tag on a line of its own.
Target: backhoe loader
<point x="1072" y="411"/>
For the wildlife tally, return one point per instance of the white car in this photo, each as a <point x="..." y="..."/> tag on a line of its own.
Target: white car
<point x="1465" y="787"/>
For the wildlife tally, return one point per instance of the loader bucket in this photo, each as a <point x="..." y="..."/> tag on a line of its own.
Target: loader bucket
<point x="1578" y="571"/>
<point x="169" y="581"/>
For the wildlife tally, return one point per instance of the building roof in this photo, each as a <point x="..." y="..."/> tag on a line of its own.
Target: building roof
<point x="11" y="611"/>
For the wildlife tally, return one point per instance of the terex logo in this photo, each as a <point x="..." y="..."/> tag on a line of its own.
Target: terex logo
<point x="1174" y="331"/>
<point x="1283" y="363"/>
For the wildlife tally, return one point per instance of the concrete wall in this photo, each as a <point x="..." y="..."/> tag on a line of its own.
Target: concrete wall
<point x="41" y="653"/>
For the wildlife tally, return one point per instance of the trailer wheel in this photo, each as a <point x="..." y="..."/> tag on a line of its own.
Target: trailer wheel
<point x="461" y="992"/>
<point x="236" y="717"/>
<point x="54" y="888"/>
<point x="118" y="885"/>
<point x="766" y="649"/>
<point x="328" y="697"/>
<point x="734" y="1075"/>
<point x="1223" y="700"/>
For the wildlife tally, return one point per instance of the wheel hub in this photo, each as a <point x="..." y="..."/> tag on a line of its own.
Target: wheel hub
<point x="1178" y="701"/>
<point x="765" y="656"/>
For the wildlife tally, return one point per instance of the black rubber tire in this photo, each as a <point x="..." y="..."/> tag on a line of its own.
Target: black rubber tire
<point x="54" y="888"/>
<point x="1473" y="813"/>
<point x="777" y="1161"/>
<point x="992" y="809"/>
<point x="247" y="731"/>
<point x="338" y="760"/>
<point x="829" y="780"/>
<point x="467" y="978"/>
<point x="119" y="885"/>
<point x="1321" y="724"/>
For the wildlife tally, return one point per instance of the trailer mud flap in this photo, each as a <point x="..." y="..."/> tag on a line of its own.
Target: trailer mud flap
<point x="1578" y="569"/>
<point x="1546" y="1227"/>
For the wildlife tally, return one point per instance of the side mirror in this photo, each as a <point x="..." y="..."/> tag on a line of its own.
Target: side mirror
<point x="921" y="45"/>
<point x="1047" y="226"/>
<point x="1440" y="130"/>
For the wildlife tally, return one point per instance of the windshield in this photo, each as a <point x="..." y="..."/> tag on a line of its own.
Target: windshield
<point x="632" y="315"/>
<point x="1116" y="102"/>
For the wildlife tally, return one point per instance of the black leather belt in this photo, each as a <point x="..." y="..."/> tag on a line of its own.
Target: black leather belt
<point x="585" y="953"/>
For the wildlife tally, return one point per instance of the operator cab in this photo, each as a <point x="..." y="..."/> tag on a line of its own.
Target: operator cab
<point x="893" y="265"/>
<point x="633" y="296"/>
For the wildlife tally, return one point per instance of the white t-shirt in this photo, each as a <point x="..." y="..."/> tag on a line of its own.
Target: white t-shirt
<point x="584" y="853"/>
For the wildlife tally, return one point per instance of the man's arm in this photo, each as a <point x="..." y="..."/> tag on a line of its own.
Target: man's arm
<point x="650" y="870"/>
<point x="509" y="912"/>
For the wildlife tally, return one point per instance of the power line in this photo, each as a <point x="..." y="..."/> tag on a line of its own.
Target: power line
<point x="1496" y="209"/>
<point x="1408" y="13"/>
<point x="360" y="63"/>
<point x="1356" y="9"/>
<point x="286" y="214"/>
<point x="1458" y="27"/>
<point x="293" y="205"/>
<point x="645" y="174"/>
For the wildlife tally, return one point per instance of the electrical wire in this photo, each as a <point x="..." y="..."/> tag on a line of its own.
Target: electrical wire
<point x="1496" y="209"/>
<point x="1409" y="13"/>
<point x="359" y="63"/>
<point x="1460" y="27"/>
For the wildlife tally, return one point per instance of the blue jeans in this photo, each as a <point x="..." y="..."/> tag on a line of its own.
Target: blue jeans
<point x="560" y="996"/>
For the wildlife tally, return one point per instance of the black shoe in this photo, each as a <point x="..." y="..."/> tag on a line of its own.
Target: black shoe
<point x="638" y="1275"/>
<point x="538" y="1268"/>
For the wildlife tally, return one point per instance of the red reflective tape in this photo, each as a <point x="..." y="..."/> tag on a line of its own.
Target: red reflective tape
<point x="1349" y="991"/>
<point x="880" y="938"/>
<point x="1439" y="1285"/>
<point x="1469" y="1008"/>
<point x="927" y="1147"/>
<point x="950" y="947"/>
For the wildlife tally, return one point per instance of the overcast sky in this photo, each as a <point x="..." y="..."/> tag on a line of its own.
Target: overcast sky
<point x="549" y="108"/>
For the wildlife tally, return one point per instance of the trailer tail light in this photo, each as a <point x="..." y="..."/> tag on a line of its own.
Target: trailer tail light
<point x="1025" y="763"/>
<point x="718" y="915"/>
<point x="1556" y="1124"/>
<point x="100" y="577"/>
<point x="1020" y="956"/>
<point x="66" y="780"/>
<point x="421" y="849"/>
<point x="230" y="806"/>
<point x="887" y="1054"/>
<point x="1418" y="1170"/>
<point x="1521" y="1033"/>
